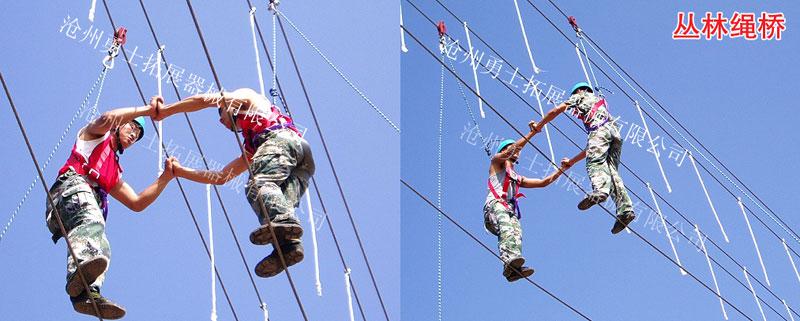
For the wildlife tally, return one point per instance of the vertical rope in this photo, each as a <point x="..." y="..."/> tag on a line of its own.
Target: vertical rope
<point x="439" y="198"/>
<point x="755" y="297"/>
<point x="211" y="249"/>
<point x="655" y="150"/>
<point x="160" y="122"/>
<point x="536" y="70"/>
<point x="791" y="260"/>
<point x="711" y="268"/>
<point x="255" y="50"/>
<point x="92" y="9"/>
<point x="755" y="243"/>
<point x="708" y="197"/>
<point x="787" y="309"/>
<point x="274" y="10"/>
<point x="311" y="221"/>
<point x="403" y="47"/>
<point x="349" y="294"/>
<point x="583" y="66"/>
<point x="474" y="67"/>
<point x="666" y="230"/>
<point x="591" y="70"/>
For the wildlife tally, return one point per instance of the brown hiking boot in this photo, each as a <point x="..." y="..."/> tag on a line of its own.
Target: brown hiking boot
<point x="108" y="309"/>
<point x="622" y="222"/>
<point x="516" y="264"/>
<point x="91" y="269"/>
<point x="271" y="265"/>
<point x="591" y="200"/>
<point x="284" y="231"/>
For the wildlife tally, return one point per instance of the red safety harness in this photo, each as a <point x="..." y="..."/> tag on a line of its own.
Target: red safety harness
<point x="588" y="117"/>
<point x="503" y="196"/>
<point x="258" y="123"/>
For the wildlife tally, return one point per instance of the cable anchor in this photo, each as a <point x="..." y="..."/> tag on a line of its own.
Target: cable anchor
<point x="442" y="29"/>
<point x="120" y="37"/>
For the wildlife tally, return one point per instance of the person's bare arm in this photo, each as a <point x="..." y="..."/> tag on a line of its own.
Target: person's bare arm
<point x="188" y="105"/>
<point x="115" y="117"/>
<point x="227" y="173"/>
<point x="234" y="100"/>
<point x="501" y="157"/>
<point x="566" y="163"/>
<point x="125" y="194"/>
<point x="550" y="115"/>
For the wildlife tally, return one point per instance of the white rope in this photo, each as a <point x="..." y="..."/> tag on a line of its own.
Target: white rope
<point x="536" y="70"/>
<point x="474" y="67"/>
<point x="666" y="230"/>
<point x="655" y="150"/>
<point x="255" y="49"/>
<point x="755" y="297"/>
<point x="583" y="66"/>
<point x="265" y="310"/>
<point x="274" y="10"/>
<point x="753" y="236"/>
<point x="439" y="198"/>
<point x="159" y="55"/>
<point x="708" y="197"/>
<point x="469" y="108"/>
<point x="586" y="55"/>
<point x="211" y="249"/>
<point x="349" y="294"/>
<point x="100" y="81"/>
<point x="791" y="260"/>
<point x="403" y="47"/>
<point x="711" y="268"/>
<point x="796" y="239"/>
<point x="92" y="9"/>
<point x="787" y="309"/>
<point x="311" y="221"/>
<point x="332" y="65"/>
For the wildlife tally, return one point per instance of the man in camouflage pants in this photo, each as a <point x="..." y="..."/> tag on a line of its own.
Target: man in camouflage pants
<point x="602" y="152"/>
<point x="79" y="200"/>
<point x="282" y="167"/>
<point x="280" y="161"/>
<point x="501" y="212"/>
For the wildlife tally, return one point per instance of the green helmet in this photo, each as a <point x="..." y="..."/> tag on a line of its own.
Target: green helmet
<point x="505" y="143"/>
<point x="580" y="85"/>
<point x="139" y="121"/>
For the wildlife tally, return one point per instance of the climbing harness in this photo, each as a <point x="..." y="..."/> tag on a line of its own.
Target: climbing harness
<point x="503" y="197"/>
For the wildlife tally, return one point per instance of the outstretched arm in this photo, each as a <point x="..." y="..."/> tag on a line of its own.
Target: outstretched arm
<point x="566" y="163"/>
<point x="234" y="100"/>
<point x="518" y="145"/>
<point x="188" y="105"/>
<point x="115" y="117"/>
<point x="233" y="169"/>
<point x="125" y="194"/>
<point x="550" y="115"/>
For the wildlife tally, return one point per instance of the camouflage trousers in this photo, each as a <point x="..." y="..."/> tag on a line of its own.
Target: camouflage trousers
<point x="78" y="204"/>
<point x="503" y="223"/>
<point x="603" y="152"/>
<point x="282" y="166"/>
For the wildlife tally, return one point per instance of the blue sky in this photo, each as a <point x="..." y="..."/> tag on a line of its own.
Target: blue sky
<point x="159" y="270"/>
<point x="735" y="96"/>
